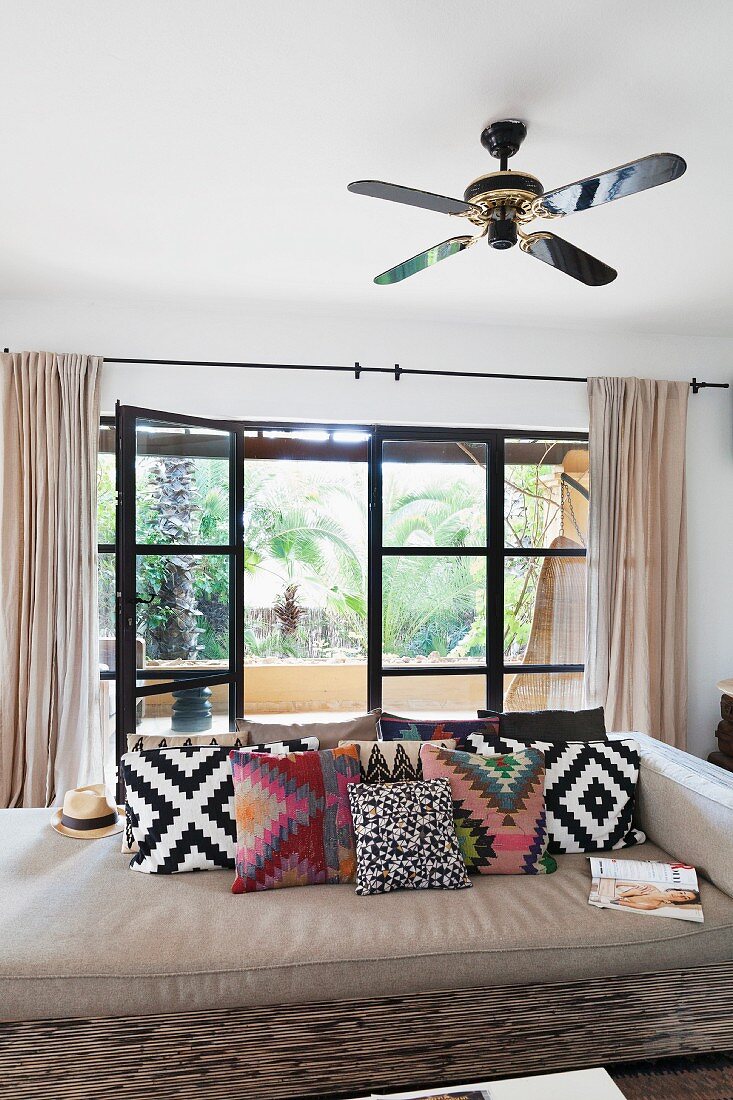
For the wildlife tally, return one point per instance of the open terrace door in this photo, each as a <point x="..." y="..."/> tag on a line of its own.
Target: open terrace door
<point x="179" y="549"/>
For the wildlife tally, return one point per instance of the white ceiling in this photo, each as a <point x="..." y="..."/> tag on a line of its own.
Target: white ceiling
<point x="200" y="151"/>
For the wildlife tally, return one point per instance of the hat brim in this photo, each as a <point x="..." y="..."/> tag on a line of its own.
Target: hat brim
<point x="89" y="834"/>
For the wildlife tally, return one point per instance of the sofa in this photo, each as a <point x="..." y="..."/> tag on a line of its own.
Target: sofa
<point x="113" y="983"/>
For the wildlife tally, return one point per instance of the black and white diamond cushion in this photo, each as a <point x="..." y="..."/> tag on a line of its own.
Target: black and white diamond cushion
<point x="406" y="837"/>
<point x="589" y="792"/>
<point x="180" y="807"/>
<point x="225" y="741"/>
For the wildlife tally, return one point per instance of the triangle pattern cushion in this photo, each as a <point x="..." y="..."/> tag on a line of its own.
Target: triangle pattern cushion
<point x="498" y="807"/>
<point x="293" y="818"/>
<point x="392" y="761"/>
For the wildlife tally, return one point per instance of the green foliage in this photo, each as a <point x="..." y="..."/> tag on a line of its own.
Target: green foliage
<point x="306" y="523"/>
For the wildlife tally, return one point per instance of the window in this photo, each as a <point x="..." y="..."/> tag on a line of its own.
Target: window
<point x="282" y="568"/>
<point x="431" y="551"/>
<point x="305" y="570"/>
<point x="546" y="489"/>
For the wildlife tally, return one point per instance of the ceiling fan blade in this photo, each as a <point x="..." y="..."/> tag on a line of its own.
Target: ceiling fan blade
<point x="424" y="259"/>
<point x="426" y="200"/>
<point x="567" y="258"/>
<point x="616" y="183"/>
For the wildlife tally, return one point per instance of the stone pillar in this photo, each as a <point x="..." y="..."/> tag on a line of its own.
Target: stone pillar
<point x="191" y="712"/>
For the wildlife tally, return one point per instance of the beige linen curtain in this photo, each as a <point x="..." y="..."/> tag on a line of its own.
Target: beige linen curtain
<point x="636" y="664"/>
<point x="49" y="722"/>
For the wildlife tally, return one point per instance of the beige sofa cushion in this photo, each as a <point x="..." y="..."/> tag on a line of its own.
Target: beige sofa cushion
<point x="81" y="934"/>
<point x="685" y="805"/>
<point x="361" y="728"/>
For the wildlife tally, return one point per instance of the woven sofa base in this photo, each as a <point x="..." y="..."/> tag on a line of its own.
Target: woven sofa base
<point x="354" y="1047"/>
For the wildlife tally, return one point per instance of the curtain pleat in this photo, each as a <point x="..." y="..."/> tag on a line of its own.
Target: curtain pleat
<point x="636" y="661"/>
<point x="50" y="737"/>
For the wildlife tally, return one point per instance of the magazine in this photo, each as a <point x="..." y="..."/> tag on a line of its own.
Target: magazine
<point x="640" y="886"/>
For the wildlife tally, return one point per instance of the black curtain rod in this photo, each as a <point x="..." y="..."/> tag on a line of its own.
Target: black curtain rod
<point x="396" y="371"/>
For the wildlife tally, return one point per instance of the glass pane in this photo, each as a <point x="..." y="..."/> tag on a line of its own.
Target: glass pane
<point x="305" y="581"/>
<point x="106" y="485"/>
<point x="434" y="696"/>
<point x="543" y="691"/>
<point x="182" y="480"/>
<point x="544" y="611"/>
<point x="434" y="494"/>
<point x="546" y="483"/>
<point x="192" y="710"/>
<point x="433" y="610"/>
<point x="106" y="601"/>
<point x="184" y="620"/>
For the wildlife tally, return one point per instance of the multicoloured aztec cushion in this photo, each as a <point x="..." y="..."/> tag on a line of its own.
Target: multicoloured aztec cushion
<point x="405" y="838"/>
<point x="180" y="806"/>
<point x="589" y="792"/>
<point x="392" y="761"/>
<point x="498" y="809"/>
<point x="226" y="741"/>
<point x="405" y="729"/>
<point x="293" y="818"/>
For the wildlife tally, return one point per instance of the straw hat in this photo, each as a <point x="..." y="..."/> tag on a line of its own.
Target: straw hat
<point x="88" y="813"/>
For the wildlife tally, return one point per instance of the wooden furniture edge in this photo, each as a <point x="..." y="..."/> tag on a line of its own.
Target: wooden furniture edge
<point x="352" y="1047"/>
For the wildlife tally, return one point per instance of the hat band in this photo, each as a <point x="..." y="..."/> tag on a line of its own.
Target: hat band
<point x="81" y="824"/>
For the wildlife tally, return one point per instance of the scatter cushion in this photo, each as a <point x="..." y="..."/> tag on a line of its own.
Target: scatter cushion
<point x="405" y="837"/>
<point x="551" y="725"/>
<point x="498" y="808"/>
<point x="180" y="806"/>
<point x="590" y="789"/>
<point x="361" y="728"/>
<point x="293" y="818"/>
<point x="407" y="729"/>
<point x="178" y="741"/>
<point x="392" y="761"/>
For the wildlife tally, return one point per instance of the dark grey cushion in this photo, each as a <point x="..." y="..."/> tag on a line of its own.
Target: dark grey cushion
<point x="550" y="725"/>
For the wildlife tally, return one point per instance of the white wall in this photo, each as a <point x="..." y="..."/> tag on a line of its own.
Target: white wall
<point x="318" y="337"/>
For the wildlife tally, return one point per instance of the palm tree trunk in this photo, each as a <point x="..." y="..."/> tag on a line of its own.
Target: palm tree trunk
<point x="174" y="635"/>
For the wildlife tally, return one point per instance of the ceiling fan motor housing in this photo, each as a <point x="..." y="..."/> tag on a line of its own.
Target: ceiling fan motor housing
<point x="495" y="186"/>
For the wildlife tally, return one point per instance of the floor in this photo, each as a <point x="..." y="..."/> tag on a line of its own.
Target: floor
<point x="702" y="1077"/>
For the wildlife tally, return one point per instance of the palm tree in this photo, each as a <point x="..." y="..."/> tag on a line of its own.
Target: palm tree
<point x="172" y="619"/>
<point x="290" y="532"/>
<point x="431" y="604"/>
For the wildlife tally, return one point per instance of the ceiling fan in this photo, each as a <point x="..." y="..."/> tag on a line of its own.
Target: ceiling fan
<point x="503" y="203"/>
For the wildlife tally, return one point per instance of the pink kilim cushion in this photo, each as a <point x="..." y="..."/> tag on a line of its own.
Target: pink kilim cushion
<point x="293" y="818"/>
<point x="498" y="808"/>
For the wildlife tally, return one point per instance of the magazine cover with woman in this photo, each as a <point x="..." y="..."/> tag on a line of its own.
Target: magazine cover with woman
<point x="662" y="889"/>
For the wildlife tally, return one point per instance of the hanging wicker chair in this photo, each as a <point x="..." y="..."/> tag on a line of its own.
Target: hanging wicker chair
<point x="557" y="636"/>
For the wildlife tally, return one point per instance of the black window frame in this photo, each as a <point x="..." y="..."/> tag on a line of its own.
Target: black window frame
<point x="494" y="668"/>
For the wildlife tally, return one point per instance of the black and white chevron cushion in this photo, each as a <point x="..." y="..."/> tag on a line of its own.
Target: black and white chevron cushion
<point x="589" y="795"/>
<point x="176" y="742"/>
<point x="589" y="792"/>
<point x="180" y="805"/>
